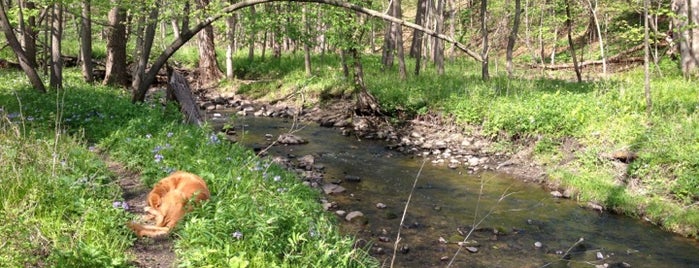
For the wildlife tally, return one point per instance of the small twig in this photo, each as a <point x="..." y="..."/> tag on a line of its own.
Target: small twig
<point x="567" y="251"/>
<point x="476" y="221"/>
<point x="405" y="211"/>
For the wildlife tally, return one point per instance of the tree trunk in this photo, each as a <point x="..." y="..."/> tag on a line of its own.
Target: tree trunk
<point x="398" y="13"/>
<point x="598" y="31"/>
<point x="513" y="37"/>
<point x="485" y="75"/>
<point x="28" y="32"/>
<point x="230" y="44"/>
<point x="306" y="46"/>
<point x="145" y="46"/>
<point x="438" y="44"/>
<point x="209" y="71"/>
<point x="343" y="62"/>
<point x="416" y="45"/>
<point x="56" y="77"/>
<point x="115" y="73"/>
<point x="527" y="32"/>
<point x="569" y="25"/>
<point x="86" y="42"/>
<point x="389" y="40"/>
<point x="24" y="62"/>
<point x="646" y="61"/>
<point x="687" y="37"/>
<point x="251" y="41"/>
<point x="179" y="87"/>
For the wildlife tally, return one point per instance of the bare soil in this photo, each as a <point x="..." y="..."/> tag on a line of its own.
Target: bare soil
<point x="149" y="253"/>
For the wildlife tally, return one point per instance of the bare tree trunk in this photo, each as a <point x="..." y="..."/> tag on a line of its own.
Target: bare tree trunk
<point x="513" y="37"/>
<point x="306" y="46"/>
<point x="398" y="13"/>
<point x="56" y="77"/>
<point x="24" y="62"/>
<point x="389" y="40"/>
<point x="145" y="46"/>
<point x="416" y="45"/>
<point x="593" y="10"/>
<point x="527" y="32"/>
<point x="28" y="31"/>
<point x="687" y="37"/>
<point x="485" y="75"/>
<point x="179" y="87"/>
<point x="86" y="42"/>
<point x="175" y="28"/>
<point x="116" y="48"/>
<point x="230" y="44"/>
<point x="569" y="25"/>
<point x="251" y="41"/>
<point x="646" y="61"/>
<point x="438" y="44"/>
<point x="343" y="62"/>
<point x="209" y="71"/>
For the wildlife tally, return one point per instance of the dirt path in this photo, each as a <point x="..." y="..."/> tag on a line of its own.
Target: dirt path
<point x="150" y="253"/>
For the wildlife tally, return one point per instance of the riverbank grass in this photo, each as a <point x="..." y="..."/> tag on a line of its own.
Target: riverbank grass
<point x="573" y="127"/>
<point x="62" y="206"/>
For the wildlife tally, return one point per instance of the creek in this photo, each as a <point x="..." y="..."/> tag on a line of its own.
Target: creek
<point x="518" y="224"/>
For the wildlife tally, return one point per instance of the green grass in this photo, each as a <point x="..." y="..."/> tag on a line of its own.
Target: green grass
<point x="602" y="116"/>
<point x="59" y="212"/>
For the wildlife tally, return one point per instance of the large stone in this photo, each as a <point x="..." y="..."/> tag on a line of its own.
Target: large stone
<point x="333" y="188"/>
<point x="354" y="216"/>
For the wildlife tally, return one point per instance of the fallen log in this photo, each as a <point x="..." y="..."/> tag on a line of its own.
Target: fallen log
<point x="179" y="88"/>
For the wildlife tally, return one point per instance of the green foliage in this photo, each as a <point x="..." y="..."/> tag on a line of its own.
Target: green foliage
<point x="602" y="116"/>
<point x="61" y="209"/>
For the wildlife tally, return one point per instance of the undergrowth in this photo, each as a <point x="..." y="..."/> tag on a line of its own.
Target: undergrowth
<point x="61" y="204"/>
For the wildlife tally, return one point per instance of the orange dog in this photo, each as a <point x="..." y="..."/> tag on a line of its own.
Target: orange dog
<point x="168" y="202"/>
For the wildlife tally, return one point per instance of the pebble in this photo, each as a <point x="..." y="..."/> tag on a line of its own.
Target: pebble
<point x="381" y="205"/>
<point x="538" y="244"/>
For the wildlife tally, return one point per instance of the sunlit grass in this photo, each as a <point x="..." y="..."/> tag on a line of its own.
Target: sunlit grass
<point x="60" y="210"/>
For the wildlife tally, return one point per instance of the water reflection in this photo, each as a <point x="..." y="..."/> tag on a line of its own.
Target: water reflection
<point x="522" y="225"/>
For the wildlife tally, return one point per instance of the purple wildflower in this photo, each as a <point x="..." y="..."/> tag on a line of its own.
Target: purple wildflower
<point x="158" y="157"/>
<point x="213" y="139"/>
<point x="237" y="235"/>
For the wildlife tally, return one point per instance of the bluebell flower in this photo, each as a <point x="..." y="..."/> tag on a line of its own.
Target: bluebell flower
<point x="237" y="235"/>
<point x="213" y="139"/>
<point x="120" y="204"/>
<point x="157" y="149"/>
<point x="158" y="157"/>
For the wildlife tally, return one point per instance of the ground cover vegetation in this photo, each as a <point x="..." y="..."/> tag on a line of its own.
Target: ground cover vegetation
<point x="562" y="76"/>
<point x="62" y="206"/>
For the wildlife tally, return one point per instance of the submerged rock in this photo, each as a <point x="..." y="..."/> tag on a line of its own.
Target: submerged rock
<point x="333" y="188"/>
<point x="287" y="138"/>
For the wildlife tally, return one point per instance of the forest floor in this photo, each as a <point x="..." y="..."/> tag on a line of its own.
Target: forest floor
<point x="147" y="252"/>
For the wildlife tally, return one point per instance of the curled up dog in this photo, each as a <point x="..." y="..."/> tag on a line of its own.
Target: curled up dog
<point x="169" y="201"/>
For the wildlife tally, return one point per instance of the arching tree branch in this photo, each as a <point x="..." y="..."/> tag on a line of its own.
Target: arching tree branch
<point x="140" y="91"/>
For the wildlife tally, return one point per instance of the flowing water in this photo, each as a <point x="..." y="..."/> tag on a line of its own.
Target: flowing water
<point x="519" y="224"/>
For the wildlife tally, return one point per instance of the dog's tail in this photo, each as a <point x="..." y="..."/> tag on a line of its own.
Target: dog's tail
<point x="148" y="230"/>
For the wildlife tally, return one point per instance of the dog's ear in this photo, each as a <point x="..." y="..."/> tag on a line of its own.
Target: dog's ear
<point x="154" y="200"/>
